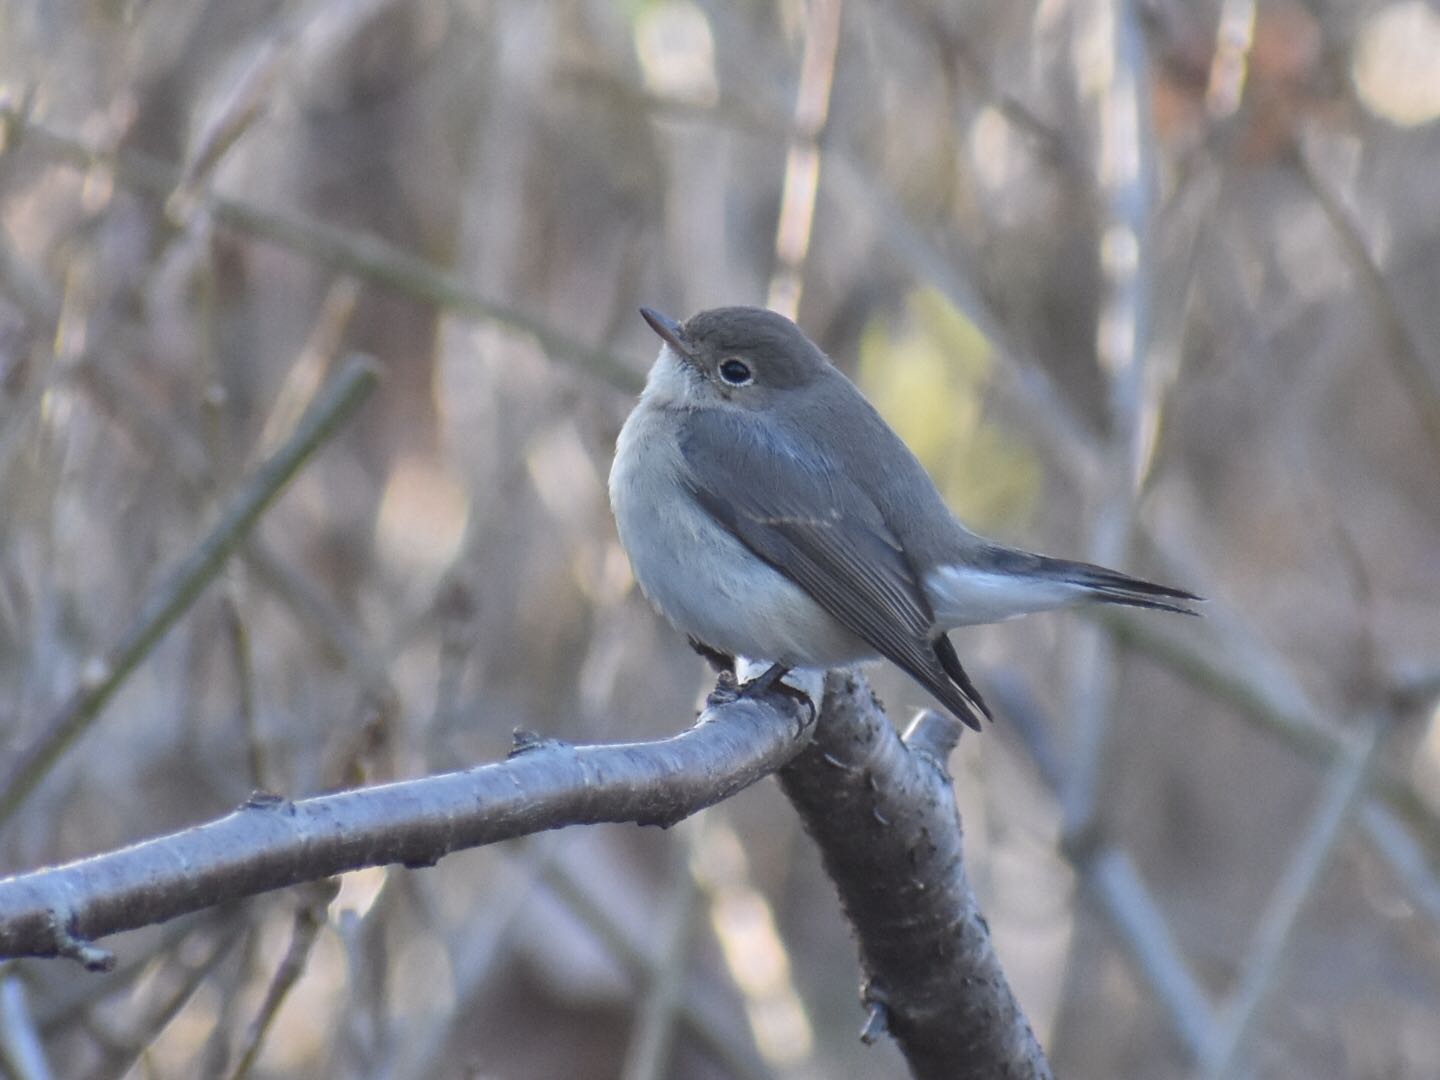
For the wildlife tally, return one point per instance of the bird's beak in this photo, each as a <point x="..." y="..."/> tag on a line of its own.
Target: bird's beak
<point x="670" y="331"/>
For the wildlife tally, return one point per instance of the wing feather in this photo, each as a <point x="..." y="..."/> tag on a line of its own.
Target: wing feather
<point x="807" y="520"/>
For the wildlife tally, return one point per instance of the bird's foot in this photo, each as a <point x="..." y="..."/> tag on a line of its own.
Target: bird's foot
<point x="767" y="680"/>
<point x="726" y="692"/>
<point x="772" y="678"/>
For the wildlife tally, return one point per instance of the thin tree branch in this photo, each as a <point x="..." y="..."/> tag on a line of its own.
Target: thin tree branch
<point x="177" y="449"/>
<point x="1407" y="358"/>
<point x="356" y="253"/>
<point x="22" y="1054"/>
<point x="123" y="1053"/>
<point x="106" y="674"/>
<point x="1112" y="880"/>
<point x="71" y="1002"/>
<point x="309" y="920"/>
<point x="883" y="813"/>
<point x="730" y="1045"/>
<point x="802" y="160"/>
<point x="1406" y="858"/>
<point x="1110" y="876"/>
<point x="1126" y="181"/>
<point x="271" y="842"/>
<point x="476" y="946"/>
<point x="653" y="1034"/>
<point x="1271" y="708"/>
<point x="1343" y="795"/>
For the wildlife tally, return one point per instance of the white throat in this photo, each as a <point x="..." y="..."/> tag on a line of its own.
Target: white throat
<point x="672" y="382"/>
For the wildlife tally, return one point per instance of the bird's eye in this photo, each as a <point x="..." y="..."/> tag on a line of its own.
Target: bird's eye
<point x="736" y="372"/>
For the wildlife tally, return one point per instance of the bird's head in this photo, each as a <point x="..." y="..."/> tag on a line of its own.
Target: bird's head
<point x="732" y="357"/>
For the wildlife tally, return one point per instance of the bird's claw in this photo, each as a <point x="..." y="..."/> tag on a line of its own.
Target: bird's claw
<point x="727" y="690"/>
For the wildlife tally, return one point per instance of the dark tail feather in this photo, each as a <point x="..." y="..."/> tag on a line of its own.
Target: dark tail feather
<point x="945" y="653"/>
<point x="1113" y="587"/>
<point x="1105" y="585"/>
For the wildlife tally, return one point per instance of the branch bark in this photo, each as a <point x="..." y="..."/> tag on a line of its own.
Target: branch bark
<point x="883" y="813"/>
<point x="881" y="810"/>
<point x="271" y="842"/>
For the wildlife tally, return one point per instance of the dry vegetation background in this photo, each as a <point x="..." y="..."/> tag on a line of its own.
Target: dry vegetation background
<point x="1155" y="283"/>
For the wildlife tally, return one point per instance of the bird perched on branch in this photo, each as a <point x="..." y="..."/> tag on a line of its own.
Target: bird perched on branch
<point x="769" y="512"/>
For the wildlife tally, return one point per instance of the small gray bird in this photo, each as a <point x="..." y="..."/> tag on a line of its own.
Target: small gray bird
<point x="769" y="512"/>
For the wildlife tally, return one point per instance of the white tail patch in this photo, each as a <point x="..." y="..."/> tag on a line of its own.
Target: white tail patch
<point x="965" y="596"/>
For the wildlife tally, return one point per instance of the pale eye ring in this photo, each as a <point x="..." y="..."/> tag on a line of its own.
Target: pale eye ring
<point x="736" y="372"/>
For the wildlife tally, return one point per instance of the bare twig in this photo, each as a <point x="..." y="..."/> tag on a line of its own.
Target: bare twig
<point x="229" y="986"/>
<point x="475" y="948"/>
<point x="648" y="1055"/>
<point x="1272" y="709"/>
<point x="315" y="358"/>
<point x="1137" y="920"/>
<point x="105" y="675"/>
<point x="1112" y="880"/>
<point x="21" y="1053"/>
<point x="126" y="1052"/>
<point x="43" y="307"/>
<point x="964" y="53"/>
<point x="307" y="602"/>
<point x="271" y="842"/>
<point x="1344" y="793"/>
<point x="1234" y="36"/>
<point x="742" y="920"/>
<point x="309" y="920"/>
<point x="361" y="254"/>
<point x="1406" y="858"/>
<point x="729" y="1046"/>
<point x="237" y="638"/>
<point x="176" y="448"/>
<point x="884" y="817"/>
<point x="67" y="1005"/>
<point x="802" y="160"/>
<point x="1411" y="367"/>
<point x="1122" y="340"/>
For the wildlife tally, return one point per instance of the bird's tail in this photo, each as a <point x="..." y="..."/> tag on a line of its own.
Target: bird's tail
<point x="998" y="583"/>
<point x="1112" y="587"/>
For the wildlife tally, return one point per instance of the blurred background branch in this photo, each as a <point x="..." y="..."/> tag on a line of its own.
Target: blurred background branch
<point x="102" y="676"/>
<point x="202" y="203"/>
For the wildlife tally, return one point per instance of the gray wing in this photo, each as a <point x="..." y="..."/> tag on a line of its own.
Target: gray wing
<point x="802" y="516"/>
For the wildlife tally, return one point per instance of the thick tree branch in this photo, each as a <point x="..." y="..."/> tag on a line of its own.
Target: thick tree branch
<point x="881" y="810"/>
<point x="271" y="842"/>
<point x="883" y="813"/>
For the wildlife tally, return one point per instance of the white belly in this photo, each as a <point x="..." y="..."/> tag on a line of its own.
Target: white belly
<point x="967" y="596"/>
<point x="703" y="580"/>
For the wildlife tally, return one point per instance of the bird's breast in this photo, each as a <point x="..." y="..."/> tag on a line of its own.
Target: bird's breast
<point x="693" y="569"/>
